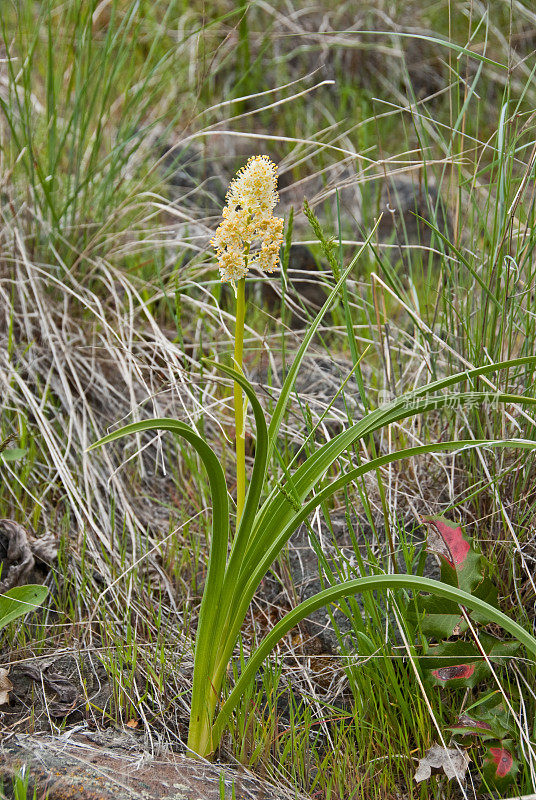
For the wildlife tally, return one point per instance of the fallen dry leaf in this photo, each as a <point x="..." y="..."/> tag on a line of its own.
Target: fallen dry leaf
<point x="5" y="687"/>
<point x="453" y="763"/>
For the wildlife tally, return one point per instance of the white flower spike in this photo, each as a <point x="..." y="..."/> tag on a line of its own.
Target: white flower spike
<point x="250" y="235"/>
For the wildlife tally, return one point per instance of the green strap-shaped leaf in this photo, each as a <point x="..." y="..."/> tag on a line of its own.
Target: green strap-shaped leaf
<point x="243" y="533"/>
<point x="368" y="584"/>
<point x="389" y="413"/>
<point x="412" y="403"/>
<point x="205" y="652"/>
<point x="277" y="538"/>
<point x="20" y="601"/>
<point x="277" y="510"/>
<point x="218" y="488"/>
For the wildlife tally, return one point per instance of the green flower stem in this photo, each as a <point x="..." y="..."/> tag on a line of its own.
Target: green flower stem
<point x="240" y="435"/>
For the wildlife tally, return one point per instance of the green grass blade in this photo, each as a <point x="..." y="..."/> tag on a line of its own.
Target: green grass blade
<point x="460" y="256"/>
<point x="435" y="40"/>
<point x="288" y="383"/>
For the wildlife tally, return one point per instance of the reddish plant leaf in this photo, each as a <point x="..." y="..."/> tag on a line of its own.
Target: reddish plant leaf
<point x="500" y="764"/>
<point x="503" y="761"/>
<point x="468" y="726"/>
<point x="460" y="664"/>
<point x="495" y="713"/>
<point x="468" y="722"/>
<point x="461" y="565"/>
<point x="458" y="672"/>
<point x="456" y="544"/>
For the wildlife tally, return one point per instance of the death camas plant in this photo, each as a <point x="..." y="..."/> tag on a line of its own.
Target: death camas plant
<point x="248" y="220"/>
<point x="244" y="545"/>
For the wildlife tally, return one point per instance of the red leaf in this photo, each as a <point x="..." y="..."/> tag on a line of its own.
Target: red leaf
<point x="468" y="722"/>
<point x="458" y="672"/>
<point x="503" y="761"/>
<point x="453" y="538"/>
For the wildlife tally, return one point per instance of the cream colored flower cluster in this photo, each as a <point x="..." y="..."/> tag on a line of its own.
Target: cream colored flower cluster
<point x="250" y="236"/>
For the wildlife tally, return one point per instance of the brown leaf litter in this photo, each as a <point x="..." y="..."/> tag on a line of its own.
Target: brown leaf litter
<point x="452" y="762"/>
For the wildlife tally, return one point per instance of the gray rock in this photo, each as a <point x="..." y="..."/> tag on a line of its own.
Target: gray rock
<point x="305" y="294"/>
<point x="73" y="765"/>
<point x="194" y="181"/>
<point x="22" y="555"/>
<point x="58" y="686"/>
